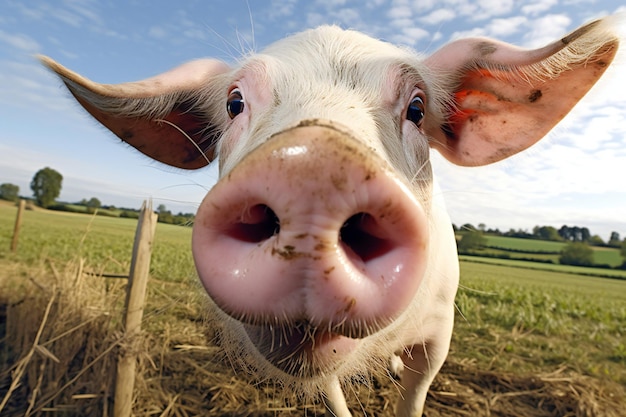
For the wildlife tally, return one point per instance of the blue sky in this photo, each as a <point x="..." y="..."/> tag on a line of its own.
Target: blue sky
<point x="576" y="176"/>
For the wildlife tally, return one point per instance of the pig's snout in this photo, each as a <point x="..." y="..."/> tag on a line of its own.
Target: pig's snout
<point x="312" y="227"/>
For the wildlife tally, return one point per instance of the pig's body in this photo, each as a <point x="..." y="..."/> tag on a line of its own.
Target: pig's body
<point x="323" y="247"/>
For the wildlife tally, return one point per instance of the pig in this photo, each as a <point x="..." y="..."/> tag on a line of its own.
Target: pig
<point x="325" y="247"/>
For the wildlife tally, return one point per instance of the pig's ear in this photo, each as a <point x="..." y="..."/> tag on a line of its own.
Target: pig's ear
<point x="502" y="99"/>
<point x="172" y="117"/>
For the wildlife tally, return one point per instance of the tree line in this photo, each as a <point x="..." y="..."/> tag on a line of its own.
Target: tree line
<point x="564" y="234"/>
<point x="576" y="251"/>
<point x="46" y="187"/>
<point x="47" y="183"/>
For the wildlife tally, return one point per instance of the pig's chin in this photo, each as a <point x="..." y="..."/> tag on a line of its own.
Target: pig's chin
<point x="301" y="350"/>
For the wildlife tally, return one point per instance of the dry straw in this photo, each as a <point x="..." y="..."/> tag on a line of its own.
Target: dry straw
<point x="62" y="338"/>
<point x="56" y="350"/>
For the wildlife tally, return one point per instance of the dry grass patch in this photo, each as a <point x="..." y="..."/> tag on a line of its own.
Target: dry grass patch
<point x="60" y="338"/>
<point x="57" y="341"/>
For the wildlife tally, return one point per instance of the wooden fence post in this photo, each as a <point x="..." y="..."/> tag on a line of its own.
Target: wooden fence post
<point x="18" y="224"/>
<point x="135" y="295"/>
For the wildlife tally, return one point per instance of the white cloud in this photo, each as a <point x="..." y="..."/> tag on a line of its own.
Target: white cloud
<point x="66" y="17"/>
<point x="598" y="132"/>
<point x="69" y="12"/>
<point x="501" y="28"/>
<point x="77" y="14"/>
<point x="371" y="4"/>
<point x="30" y="86"/>
<point x="20" y="41"/>
<point x="475" y="32"/>
<point x="416" y="33"/>
<point x="547" y="29"/>
<point x="400" y="12"/>
<point x="350" y="17"/>
<point x="330" y="4"/>
<point x="409" y="35"/>
<point x="547" y="185"/>
<point x="315" y="19"/>
<point x="438" y="16"/>
<point x="157" y="32"/>
<point x="400" y="24"/>
<point x="484" y="9"/>
<point x="537" y="7"/>
<point x="85" y="10"/>
<point x="68" y="54"/>
<point x="420" y="7"/>
<point x="281" y="8"/>
<point x="201" y="34"/>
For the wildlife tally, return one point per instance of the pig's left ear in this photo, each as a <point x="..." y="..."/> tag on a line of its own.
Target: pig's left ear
<point x="503" y="99"/>
<point x="170" y="117"/>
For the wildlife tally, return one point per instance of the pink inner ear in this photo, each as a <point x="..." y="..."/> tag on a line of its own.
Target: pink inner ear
<point x="183" y="137"/>
<point x="182" y="143"/>
<point x="498" y="114"/>
<point x="503" y="104"/>
<point x="494" y="118"/>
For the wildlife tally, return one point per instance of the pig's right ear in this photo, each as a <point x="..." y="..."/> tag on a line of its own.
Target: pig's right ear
<point x="172" y="118"/>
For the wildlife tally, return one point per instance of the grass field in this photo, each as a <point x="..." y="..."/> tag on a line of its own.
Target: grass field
<point x="105" y="242"/>
<point x="524" y="244"/>
<point x="517" y="248"/>
<point x="510" y="319"/>
<point x="567" y="269"/>
<point x="524" y="320"/>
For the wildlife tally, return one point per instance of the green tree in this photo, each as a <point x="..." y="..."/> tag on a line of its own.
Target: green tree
<point x="623" y="250"/>
<point x="10" y="192"/>
<point x="46" y="186"/>
<point x="165" y="216"/>
<point x="468" y="226"/>
<point x="93" y="204"/>
<point x="585" y="234"/>
<point x="546" y="233"/>
<point x="577" y="253"/>
<point x="472" y="240"/>
<point x="596" y="240"/>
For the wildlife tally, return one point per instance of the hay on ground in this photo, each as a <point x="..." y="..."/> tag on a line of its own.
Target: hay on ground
<point x="60" y="336"/>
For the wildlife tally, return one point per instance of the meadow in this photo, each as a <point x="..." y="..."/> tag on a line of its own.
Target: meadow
<point x="545" y="251"/>
<point x="515" y="327"/>
<point x="104" y="242"/>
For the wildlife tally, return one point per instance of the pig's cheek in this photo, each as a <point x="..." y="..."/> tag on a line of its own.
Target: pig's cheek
<point x="230" y="139"/>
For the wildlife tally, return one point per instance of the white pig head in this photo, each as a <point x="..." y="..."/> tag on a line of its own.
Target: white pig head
<point x="322" y="247"/>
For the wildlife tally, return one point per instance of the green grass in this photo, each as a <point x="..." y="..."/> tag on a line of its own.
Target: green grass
<point x="524" y="244"/>
<point x="511" y="317"/>
<point x="522" y="320"/>
<point x="75" y="208"/>
<point x="104" y="242"/>
<point x="500" y="245"/>
<point x="609" y="256"/>
<point x="567" y="269"/>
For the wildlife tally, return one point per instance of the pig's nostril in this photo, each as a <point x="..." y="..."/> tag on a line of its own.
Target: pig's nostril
<point x="364" y="236"/>
<point x="256" y="224"/>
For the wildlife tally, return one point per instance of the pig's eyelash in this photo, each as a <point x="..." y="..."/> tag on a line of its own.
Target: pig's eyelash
<point x="167" y="122"/>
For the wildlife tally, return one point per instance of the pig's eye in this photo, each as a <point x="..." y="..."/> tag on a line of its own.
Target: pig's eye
<point x="415" y="112"/>
<point x="234" y="103"/>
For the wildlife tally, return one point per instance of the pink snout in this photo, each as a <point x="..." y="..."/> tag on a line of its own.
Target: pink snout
<point x="312" y="227"/>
